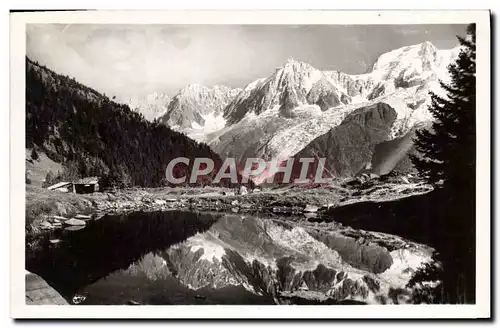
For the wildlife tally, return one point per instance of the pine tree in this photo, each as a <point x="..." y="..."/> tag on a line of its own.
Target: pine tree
<point x="446" y="159"/>
<point x="49" y="180"/>
<point x="448" y="150"/>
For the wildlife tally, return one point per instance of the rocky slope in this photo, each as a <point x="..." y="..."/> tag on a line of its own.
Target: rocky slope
<point x="349" y="147"/>
<point x="197" y="110"/>
<point x="392" y="155"/>
<point x="362" y="143"/>
<point x="280" y="115"/>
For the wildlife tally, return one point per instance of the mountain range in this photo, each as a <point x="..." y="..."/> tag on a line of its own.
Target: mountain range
<point x="298" y="109"/>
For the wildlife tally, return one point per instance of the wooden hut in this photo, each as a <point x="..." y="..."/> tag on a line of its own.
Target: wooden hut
<point x="86" y="185"/>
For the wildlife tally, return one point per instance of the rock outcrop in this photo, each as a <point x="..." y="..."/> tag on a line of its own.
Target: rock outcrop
<point x="349" y="147"/>
<point x="38" y="292"/>
<point x="197" y="110"/>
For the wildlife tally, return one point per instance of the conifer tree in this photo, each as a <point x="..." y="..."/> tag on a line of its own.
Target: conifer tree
<point x="446" y="158"/>
<point x="447" y="151"/>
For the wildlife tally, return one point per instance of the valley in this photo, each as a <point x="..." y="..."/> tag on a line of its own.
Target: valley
<point x="140" y="239"/>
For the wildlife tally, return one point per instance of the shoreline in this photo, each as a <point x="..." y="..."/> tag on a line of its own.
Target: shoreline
<point x="43" y="205"/>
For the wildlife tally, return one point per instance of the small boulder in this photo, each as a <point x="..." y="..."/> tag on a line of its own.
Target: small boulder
<point x="160" y="202"/>
<point x="404" y="180"/>
<point x="228" y="193"/>
<point x="309" y="215"/>
<point x="74" y="228"/>
<point x="256" y="190"/>
<point x="326" y="207"/>
<point x="45" y="225"/>
<point x="352" y="182"/>
<point x="235" y="202"/>
<point x="75" y="222"/>
<point x="77" y="299"/>
<point x="310" y="208"/>
<point x="171" y="200"/>
<point x="60" y="218"/>
<point x="83" y="217"/>
<point x="243" y="190"/>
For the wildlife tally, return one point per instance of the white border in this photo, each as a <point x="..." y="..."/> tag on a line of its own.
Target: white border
<point x="17" y="131"/>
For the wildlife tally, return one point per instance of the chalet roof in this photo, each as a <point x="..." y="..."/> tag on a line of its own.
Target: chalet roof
<point x="88" y="180"/>
<point x="59" y="185"/>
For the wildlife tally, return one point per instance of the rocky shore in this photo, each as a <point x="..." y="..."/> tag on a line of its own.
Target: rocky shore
<point x="46" y="210"/>
<point x="375" y="265"/>
<point x="38" y="292"/>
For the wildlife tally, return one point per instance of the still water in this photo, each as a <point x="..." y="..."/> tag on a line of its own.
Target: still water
<point x="181" y="257"/>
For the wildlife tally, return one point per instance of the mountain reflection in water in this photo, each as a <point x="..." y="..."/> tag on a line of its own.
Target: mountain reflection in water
<point x="178" y="257"/>
<point x="109" y="244"/>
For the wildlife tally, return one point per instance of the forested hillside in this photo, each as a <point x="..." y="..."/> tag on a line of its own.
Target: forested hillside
<point x="92" y="135"/>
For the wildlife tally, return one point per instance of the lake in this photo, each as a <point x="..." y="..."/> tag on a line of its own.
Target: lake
<point x="182" y="257"/>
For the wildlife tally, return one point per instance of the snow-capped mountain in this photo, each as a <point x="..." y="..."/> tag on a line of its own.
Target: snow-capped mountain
<point x="294" y="84"/>
<point x="197" y="110"/>
<point x="280" y="115"/>
<point x="151" y="106"/>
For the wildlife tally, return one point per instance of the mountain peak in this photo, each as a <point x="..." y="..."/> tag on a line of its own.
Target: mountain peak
<point x="192" y="87"/>
<point x="295" y="72"/>
<point x="198" y="107"/>
<point x="414" y="59"/>
<point x="427" y="48"/>
<point x="296" y="65"/>
<point x="156" y="96"/>
<point x="151" y="106"/>
<point x="427" y="44"/>
<point x="291" y="61"/>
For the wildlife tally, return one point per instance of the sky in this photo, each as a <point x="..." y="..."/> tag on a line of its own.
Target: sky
<point x="136" y="60"/>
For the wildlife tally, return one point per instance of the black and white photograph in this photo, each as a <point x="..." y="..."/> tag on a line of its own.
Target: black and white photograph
<point x="205" y="161"/>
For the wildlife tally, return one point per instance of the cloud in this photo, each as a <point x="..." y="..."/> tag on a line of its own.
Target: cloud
<point x="134" y="60"/>
<point x="408" y="31"/>
<point x="49" y="45"/>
